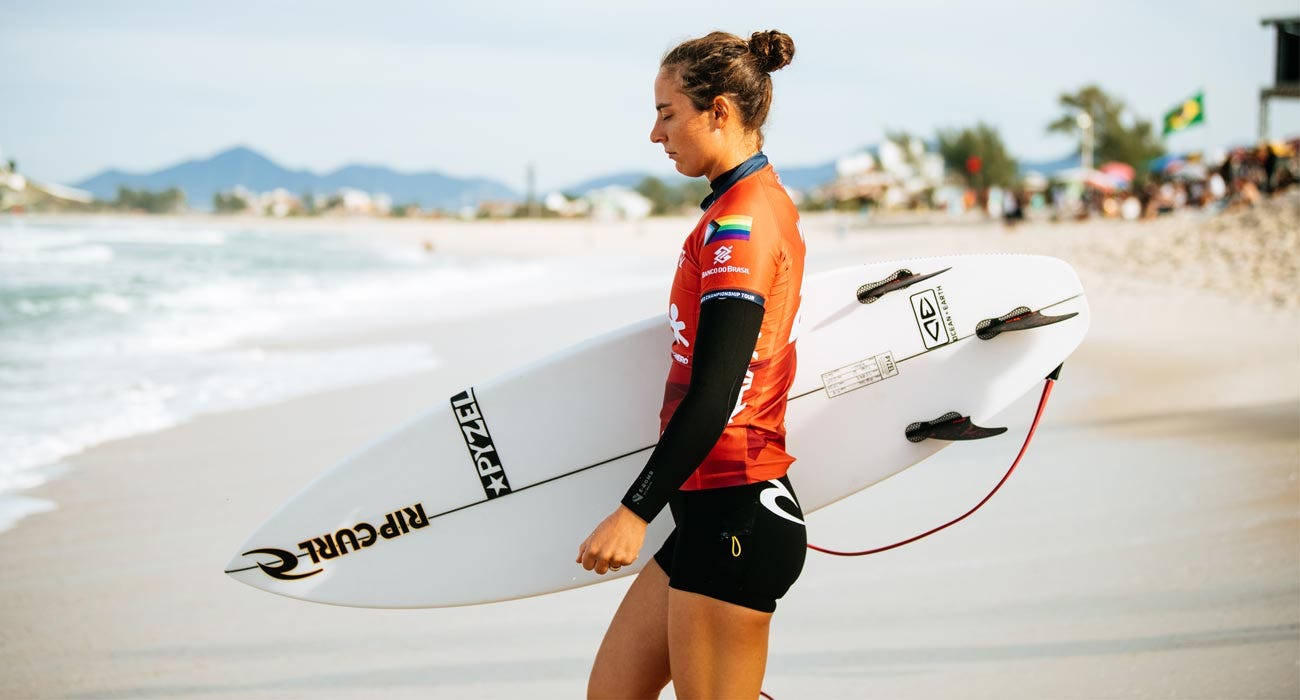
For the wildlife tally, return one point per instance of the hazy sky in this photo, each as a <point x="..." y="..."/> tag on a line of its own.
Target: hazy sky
<point x="482" y="89"/>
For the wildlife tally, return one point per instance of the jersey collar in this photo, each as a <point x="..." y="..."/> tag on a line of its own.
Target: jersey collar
<point x="723" y="182"/>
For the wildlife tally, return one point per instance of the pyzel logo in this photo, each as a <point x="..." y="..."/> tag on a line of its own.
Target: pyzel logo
<point x="722" y="255"/>
<point x="676" y="325"/>
<point x="768" y="498"/>
<point x="479" y="442"/>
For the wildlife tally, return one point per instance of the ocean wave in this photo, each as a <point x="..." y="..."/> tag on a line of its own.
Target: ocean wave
<point x="174" y="323"/>
<point x="14" y="508"/>
<point x="170" y="237"/>
<point x="50" y="422"/>
<point x="89" y="254"/>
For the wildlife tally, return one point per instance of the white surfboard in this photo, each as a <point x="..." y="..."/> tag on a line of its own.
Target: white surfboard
<point x="486" y="496"/>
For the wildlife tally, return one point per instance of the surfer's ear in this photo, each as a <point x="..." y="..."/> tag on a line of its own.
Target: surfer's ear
<point x="722" y="110"/>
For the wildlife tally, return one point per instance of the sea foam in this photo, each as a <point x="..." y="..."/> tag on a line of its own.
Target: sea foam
<point x="113" y="330"/>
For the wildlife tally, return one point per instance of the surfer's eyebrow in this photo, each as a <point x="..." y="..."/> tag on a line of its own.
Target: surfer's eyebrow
<point x="661" y="105"/>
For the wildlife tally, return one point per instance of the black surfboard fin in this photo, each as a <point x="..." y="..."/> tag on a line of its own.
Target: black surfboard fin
<point x="949" y="426"/>
<point x="902" y="279"/>
<point x="1017" y="320"/>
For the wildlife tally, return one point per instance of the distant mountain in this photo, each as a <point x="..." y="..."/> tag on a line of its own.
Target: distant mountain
<point x="628" y="179"/>
<point x="807" y="177"/>
<point x="1051" y="167"/>
<point x="201" y="179"/>
<point x="796" y="178"/>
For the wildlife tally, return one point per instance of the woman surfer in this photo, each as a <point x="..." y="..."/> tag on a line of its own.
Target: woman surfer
<point x="699" y="613"/>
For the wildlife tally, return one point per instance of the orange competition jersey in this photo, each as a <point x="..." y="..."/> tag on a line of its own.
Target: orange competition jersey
<point x="747" y="245"/>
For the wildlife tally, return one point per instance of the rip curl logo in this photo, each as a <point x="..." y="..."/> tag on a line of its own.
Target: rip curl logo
<point x="677" y="326"/>
<point x="332" y="545"/>
<point x="288" y="562"/>
<point x="722" y="255"/>
<point x="768" y="498"/>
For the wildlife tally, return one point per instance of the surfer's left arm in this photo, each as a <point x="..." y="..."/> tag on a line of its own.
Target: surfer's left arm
<point x="726" y="334"/>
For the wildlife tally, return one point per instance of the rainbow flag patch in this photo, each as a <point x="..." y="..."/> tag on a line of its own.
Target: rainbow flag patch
<point x="729" y="228"/>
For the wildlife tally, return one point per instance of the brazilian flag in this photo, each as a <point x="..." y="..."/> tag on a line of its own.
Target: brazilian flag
<point x="1191" y="111"/>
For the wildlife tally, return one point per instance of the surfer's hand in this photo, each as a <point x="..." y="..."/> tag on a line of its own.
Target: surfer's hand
<point x="614" y="543"/>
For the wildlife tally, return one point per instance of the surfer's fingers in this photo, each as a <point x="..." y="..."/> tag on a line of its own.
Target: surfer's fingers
<point x="592" y="561"/>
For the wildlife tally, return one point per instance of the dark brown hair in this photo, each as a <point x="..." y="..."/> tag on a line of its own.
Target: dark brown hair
<point x="724" y="64"/>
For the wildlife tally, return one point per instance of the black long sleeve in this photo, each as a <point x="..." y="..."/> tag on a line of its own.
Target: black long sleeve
<point x="725" y="337"/>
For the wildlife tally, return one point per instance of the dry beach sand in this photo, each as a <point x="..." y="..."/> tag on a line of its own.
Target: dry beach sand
<point x="1149" y="546"/>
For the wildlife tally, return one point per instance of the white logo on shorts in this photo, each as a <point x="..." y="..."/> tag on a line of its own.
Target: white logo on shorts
<point x="722" y="255"/>
<point x="768" y="498"/>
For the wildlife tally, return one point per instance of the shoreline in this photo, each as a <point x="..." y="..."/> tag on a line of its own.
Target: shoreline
<point x="1219" y="251"/>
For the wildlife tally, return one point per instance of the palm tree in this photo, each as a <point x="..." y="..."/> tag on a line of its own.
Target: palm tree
<point x="1118" y="134"/>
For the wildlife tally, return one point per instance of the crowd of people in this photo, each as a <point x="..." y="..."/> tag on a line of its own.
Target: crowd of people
<point x="1236" y="178"/>
<point x="1221" y="181"/>
<point x="1241" y="178"/>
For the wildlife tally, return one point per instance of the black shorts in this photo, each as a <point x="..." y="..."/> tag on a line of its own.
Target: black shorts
<point x="742" y="544"/>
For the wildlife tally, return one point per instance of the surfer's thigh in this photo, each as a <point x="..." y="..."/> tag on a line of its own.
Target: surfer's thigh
<point x="633" y="657"/>
<point x="717" y="649"/>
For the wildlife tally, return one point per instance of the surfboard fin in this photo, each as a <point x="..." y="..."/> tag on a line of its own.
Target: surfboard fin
<point x="1017" y="320"/>
<point x="949" y="426"/>
<point x="902" y="279"/>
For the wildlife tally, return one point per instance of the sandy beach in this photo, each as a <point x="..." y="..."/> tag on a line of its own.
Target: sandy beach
<point x="1149" y="545"/>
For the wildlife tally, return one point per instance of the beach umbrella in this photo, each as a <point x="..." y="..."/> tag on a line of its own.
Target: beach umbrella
<point x="1089" y="177"/>
<point x="1120" y="172"/>
<point x="1102" y="181"/>
<point x="1166" y="163"/>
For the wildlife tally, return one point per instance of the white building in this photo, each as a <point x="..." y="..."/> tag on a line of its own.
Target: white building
<point x="617" y="202"/>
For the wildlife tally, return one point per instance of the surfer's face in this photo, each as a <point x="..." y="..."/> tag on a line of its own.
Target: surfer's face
<point x="692" y="138"/>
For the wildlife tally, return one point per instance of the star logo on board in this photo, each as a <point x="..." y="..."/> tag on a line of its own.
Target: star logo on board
<point x="497" y="485"/>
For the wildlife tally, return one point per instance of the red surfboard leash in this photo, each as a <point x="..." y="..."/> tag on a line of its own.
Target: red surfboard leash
<point x="1042" y="404"/>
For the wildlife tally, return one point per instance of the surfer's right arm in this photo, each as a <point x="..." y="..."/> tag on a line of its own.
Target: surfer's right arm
<point x="726" y="334"/>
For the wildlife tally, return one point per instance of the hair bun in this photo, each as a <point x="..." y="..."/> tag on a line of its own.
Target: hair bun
<point x="774" y="50"/>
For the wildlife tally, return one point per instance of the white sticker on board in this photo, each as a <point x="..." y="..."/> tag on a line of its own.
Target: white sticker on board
<point x="859" y="374"/>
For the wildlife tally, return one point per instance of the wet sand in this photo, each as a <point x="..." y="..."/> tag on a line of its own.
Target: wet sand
<point x="1149" y="545"/>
